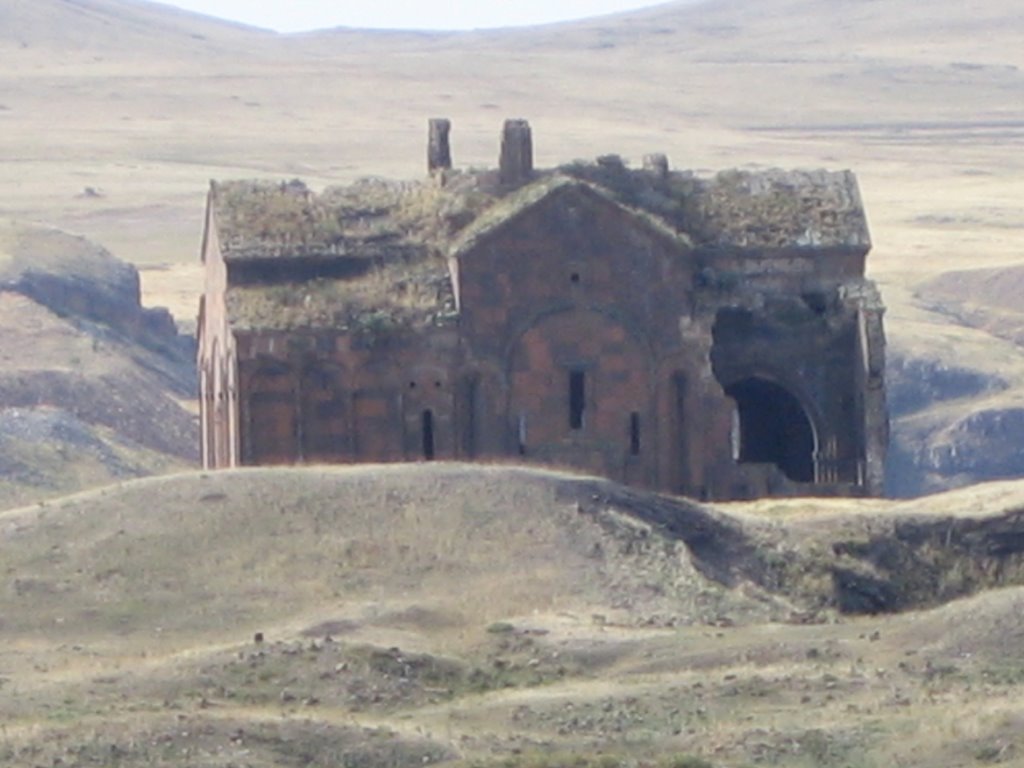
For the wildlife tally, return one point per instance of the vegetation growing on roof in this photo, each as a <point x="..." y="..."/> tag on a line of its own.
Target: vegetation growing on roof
<point x="779" y="209"/>
<point x="398" y="227"/>
<point x="506" y="208"/>
<point x="405" y="228"/>
<point x="762" y="209"/>
<point x="636" y="188"/>
<point x="391" y="296"/>
<point x="268" y="216"/>
<point x="371" y="217"/>
<point x="746" y="209"/>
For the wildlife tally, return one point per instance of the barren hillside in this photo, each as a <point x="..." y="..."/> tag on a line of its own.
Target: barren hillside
<point x="405" y="615"/>
<point x="120" y="28"/>
<point x="94" y="387"/>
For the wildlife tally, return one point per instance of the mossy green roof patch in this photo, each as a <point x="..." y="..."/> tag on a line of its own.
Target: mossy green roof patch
<point x="395" y="226"/>
<point x="390" y="296"/>
<point x="736" y="209"/>
<point x="258" y="220"/>
<point x="778" y="209"/>
<point x="371" y="217"/>
<point x="403" y="230"/>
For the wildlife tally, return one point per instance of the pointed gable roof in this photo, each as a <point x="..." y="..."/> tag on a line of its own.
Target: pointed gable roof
<point x="508" y="209"/>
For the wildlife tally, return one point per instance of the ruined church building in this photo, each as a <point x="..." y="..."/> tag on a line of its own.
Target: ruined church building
<point x="713" y="337"/>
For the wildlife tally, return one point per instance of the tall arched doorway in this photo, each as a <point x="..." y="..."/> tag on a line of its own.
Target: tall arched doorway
<point x="773" y="428"/>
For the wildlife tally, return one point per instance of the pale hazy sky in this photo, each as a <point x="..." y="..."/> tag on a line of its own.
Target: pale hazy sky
<point x="300" y="15"/>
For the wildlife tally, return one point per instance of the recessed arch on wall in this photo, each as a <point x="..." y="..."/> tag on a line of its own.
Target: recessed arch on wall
<point x="323" y="422"/>
<point x="773" y="427"/>
<point x="580" y="387"/>
<point x="231" y="431"/>
<point x="206" y="405"/>
<point x="217" y="406"/>
<point x="224" y="408"/>
<point x="271" y="426"/>
<point x="468" y="412"/>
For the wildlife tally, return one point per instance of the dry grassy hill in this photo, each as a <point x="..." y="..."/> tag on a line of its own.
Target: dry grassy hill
<point x="121" y="28"/>
<point x="436" y="613"/>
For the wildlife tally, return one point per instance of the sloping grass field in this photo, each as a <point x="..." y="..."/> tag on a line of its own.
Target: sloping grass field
<point x="491" y="615"/>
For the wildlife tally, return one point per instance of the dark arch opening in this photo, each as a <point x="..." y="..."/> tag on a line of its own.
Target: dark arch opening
<point x="773" y="428"/>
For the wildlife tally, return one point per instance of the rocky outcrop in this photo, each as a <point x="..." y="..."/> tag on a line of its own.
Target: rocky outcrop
<point x="92" y="382"/>
<point x="905" y="556"/>
<point x="124" y="402"/>
<point x="76" y="278"/>
<point x="981" y="445"/>
<point x="915" y="383"/>
<point x="48" y="450"/>
<point x="950" y="427"/>
<point x="957" y="409"/>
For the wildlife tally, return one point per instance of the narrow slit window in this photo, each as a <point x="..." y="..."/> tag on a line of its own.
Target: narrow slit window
<point x="470" y="390"/>
<point x="428" y="435"/>
<point x="521" y="434"/>
<point x="634" y="433"/>
<point x="577" y="398"/>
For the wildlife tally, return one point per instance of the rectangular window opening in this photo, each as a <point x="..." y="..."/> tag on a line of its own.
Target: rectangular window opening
<point x="577" y="398"/>
<point x="683" y="476"/>
<point x="470" y="394"/>
<point x="634" y="433"/>
<point x="428" y="435"/>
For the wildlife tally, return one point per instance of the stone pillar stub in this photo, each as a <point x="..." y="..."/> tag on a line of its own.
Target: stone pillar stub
<point x="657" y="165"/>
<point x="439" y="153"/>
<point x="516" y="165"/>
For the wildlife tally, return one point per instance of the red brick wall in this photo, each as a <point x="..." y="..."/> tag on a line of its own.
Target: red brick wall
<point x="572" y="284"/>
<point x="577" y="283"/>
<point x="328" y="398"/>
<point x="614" y="370"/>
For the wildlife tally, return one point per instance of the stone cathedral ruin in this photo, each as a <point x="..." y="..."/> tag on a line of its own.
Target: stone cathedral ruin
<point x="713" y="337"/>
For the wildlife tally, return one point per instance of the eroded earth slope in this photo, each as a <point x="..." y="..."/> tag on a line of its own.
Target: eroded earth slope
<point x="93" y="387"/>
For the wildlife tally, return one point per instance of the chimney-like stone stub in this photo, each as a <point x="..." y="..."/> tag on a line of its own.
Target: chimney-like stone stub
<point x="516" y="164"/>
<point x="657" y="165"/>
<point x="439" y="151"/>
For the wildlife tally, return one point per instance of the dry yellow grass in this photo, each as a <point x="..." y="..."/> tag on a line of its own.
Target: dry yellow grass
<point x="468" y="612"/>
